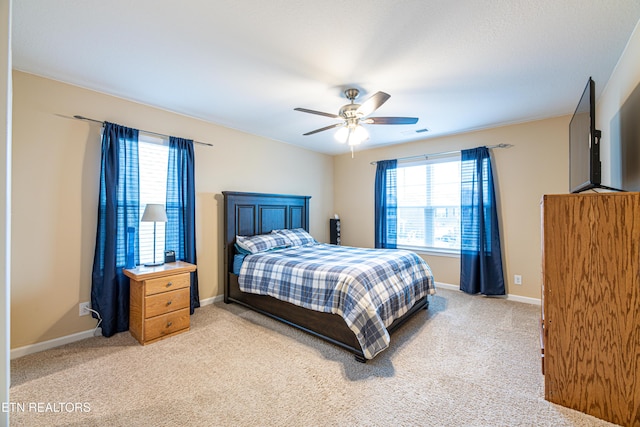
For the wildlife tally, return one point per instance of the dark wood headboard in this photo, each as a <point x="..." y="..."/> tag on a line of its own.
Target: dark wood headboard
<point x="248" y="214"/>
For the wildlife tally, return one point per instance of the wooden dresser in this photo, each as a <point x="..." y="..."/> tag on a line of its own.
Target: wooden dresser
<point x="159" y="300"/>
<point x="591" y="303"/>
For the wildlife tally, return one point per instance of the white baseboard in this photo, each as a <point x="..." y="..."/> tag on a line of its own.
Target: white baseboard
<point x="518" y="298"/>
<point x="447" y="286"/>
<point x="57" y="342"/>
<point x="209" y="301"/>
<point x="526" y="300"/>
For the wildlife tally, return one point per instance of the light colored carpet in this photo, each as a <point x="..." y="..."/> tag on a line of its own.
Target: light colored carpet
<point x="467" y="361"/>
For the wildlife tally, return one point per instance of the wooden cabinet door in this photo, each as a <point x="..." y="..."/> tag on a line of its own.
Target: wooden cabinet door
<point x="592" y="304"/>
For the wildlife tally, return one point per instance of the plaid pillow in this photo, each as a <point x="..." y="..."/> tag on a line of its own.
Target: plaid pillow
<point x="261" y="242"/>
<point x="297" y="236"/>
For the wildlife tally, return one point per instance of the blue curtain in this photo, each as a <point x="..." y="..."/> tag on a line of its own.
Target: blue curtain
<point x="480" y="254"/>
<point x="118" y="208"/>
<point x="180" y="234"/>
<point x="386" y="204"/>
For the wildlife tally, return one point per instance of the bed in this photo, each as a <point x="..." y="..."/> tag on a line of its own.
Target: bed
<point x="257" y="214"/>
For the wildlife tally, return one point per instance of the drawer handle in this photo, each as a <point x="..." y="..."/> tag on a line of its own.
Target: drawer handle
<point x="169" y="302"/>
<point x="169" y="284"/>
<point x="169" y="324"/>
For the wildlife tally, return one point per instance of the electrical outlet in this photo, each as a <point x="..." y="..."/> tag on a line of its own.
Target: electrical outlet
<point x="84" y="308"/>
<point x="517" y="279"/>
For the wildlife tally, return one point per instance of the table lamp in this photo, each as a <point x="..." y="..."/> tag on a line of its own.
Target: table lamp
<point x="154" y="213"/>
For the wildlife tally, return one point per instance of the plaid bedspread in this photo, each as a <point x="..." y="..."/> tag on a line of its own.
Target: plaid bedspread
<point x="369" y="288"/>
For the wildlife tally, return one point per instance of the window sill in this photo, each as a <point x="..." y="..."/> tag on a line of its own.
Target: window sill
<point x="432" y="252"/>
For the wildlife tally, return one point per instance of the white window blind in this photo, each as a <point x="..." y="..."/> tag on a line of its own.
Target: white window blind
<point x="153" y="159"/>
<point x="429" y="204"/>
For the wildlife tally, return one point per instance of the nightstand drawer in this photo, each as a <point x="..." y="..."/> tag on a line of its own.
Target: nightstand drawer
<point x="167" y="283"/>
<point x="159" y="300"/>
<point x="166" y="324"/>
<point x="165" y="302"/>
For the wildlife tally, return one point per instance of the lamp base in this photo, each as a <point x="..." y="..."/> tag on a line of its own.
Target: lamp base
<point x="153" y="264"/>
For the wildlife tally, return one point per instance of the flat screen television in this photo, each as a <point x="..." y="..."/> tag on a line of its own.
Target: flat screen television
<point x="584" y="143"/>
<point x="625" y="144"/>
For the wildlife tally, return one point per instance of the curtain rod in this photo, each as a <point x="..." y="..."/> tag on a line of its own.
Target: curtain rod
<point x="444" y="153"/>
<point x="145" y="131"/>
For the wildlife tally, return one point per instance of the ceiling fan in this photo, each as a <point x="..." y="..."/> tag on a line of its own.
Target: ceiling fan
<point x="352" y="116"/>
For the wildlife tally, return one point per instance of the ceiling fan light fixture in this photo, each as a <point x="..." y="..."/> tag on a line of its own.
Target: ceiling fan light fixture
<point x="355" y="115"/>
<point x="358" y="135"/>
<point x="342" y="134"/>
<point x="352" y="134"/>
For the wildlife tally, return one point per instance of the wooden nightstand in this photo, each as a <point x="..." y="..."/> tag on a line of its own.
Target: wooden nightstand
<point x="159" y="300"/>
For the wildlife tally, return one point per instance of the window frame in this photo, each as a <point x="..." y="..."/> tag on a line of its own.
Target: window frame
<point x="431" y="250"/>
<point x="145" y="232"/>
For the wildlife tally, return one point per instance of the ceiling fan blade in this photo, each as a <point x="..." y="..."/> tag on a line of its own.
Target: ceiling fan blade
<point x="390" y="120"/>
<point x="319" y="113"/>
<point x="373" y="103"/>
<point x="323" y="129"/>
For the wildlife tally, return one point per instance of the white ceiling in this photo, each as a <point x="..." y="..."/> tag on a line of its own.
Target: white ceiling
<point x="457" y="65"/>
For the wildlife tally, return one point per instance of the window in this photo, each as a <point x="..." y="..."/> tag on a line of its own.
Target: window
<point x="153" y="159"/>
<point x="428" y="200"/>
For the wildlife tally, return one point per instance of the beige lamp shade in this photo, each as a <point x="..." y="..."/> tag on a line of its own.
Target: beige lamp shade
<point x="154" y="213"/>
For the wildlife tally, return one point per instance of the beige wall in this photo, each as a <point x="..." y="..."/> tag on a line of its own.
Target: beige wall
<point x="56" y="165"/>
<point x="537" y="164"/>
<point x="55" y="186"/>
<point x="624" y="79"/>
